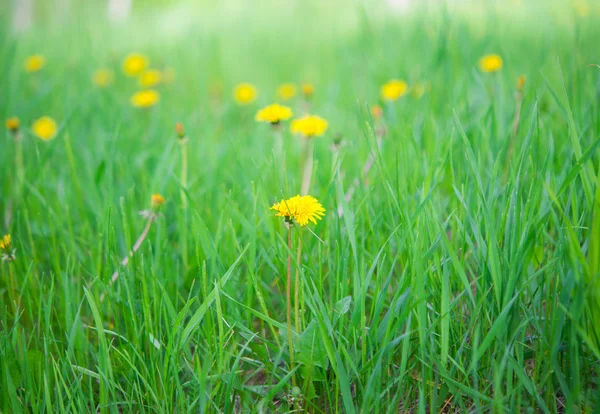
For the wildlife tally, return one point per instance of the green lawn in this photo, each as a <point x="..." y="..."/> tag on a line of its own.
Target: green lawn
<point x="456" y="268"/>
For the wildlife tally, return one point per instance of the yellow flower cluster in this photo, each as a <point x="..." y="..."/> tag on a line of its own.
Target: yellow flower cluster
<point x="45" y="128"/>
<point x="34" y="63"/>
<point x="134" y="64"/>
<point x="274" y="114"/>
<point x="300" y="209"/>
<point x="150" y="78"/>
<point x="145" y="99"/>
<point x="309" y="126"/>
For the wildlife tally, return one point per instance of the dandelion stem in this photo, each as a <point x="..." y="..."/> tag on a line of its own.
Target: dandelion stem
<point x="125" y="261"/>
<point x="184" y="168"/>
<point x="297" y="284"/>
<point x="308" y="166"/>
<point x="289" y="305"/>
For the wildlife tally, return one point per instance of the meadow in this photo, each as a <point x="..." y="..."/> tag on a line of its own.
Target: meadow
<point x="448" y="259"/>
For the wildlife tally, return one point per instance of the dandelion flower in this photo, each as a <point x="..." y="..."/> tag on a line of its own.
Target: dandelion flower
<point x="394" y="90"/>
<point x="521" y="82"/>
<point x="35" y="63"/>
<point x="8" y="253"/>
<point x="490" y="63"/>
<point x="45" y="128"/>
<point x="308" y="90"/>
<point x="157" y="200"/>
<point x="150" y="78"/>
<point x="300" y="209"/>
<point x="103" y="77"/>
<point x="309" y="126"/>
<point x="12" y="124"/>
<point x="274" y="114"/>
<point x="286" y="91"/>
<point x="134" y="64"/>
<point x="145" y="99"/>
<point x="376" y="111"/>
<point x="245" y="93"/>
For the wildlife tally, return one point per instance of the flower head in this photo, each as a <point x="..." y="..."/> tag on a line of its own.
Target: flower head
<point x="300" y="209"/>
<point x="13" y="124"/>
<point x="134" y="64"/>
<point x="286" y="91"/>
<point x="393" y="90"/>
<point x="8" y="253"/>
<point x="150" y="78"/>
<point x="245" y="93"/>
<point x="103" y="77"/>
<point x="376" y="112"/>
<point x="490" y="63"/>
<point x="309" y="126"/>
<point x="180" y="130"/>
<point x="521" y="82"/>
<point x="45" y="128"/>
<point x="34" y="63"/>
<point x="145" y="99"/>
<point x="156" y="201"/>
<point x="274" y="114"/>
<point x="308" y="90"/>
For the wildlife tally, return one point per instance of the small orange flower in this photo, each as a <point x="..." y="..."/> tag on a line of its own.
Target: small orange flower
<point x="157" y="201"/>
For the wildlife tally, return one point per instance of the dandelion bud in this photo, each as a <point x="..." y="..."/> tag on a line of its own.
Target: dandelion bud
<point x="13" y="124"/>
<point x="521" y="82"/>
<point x="157" y="201"/>
<point x="376" y="112"/>
<point x="180" y="130"/>
<point x="308" y="90"/>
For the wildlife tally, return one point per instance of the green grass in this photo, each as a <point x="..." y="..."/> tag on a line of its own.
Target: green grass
<point x="462" y="276"/>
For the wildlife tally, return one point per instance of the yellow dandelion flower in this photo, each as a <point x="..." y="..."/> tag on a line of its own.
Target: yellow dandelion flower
<point x="145" y="99"/>
<point x="134" y="64"/>
<point x="300" y="209"/>
<point x="45" y="128"/>
<point x="274" y="114"/>
<point x="394" y="90"/>
<point x="521" y="82"/>
<point x="103" y="77"/>
<point x="490" y="63"/>
<point x="157" y="200"/>
<point x="286" y="91"/>
<point x="35" y="63"/>
<point x="150" y="78"/>
<point x="308" y="90"/>
<point x="13" y="124"/>
<point x="5" y="243"/>
<point x="245" y="93"/>
<point x="309" y="126"/>
<point x="376" y="111"/>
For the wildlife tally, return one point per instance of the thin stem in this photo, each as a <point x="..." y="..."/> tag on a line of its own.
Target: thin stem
<point x="297" y="284"/>
<point x="289" y="304"/>
<point x="184" y="171"/>
<point x="19" y="165"/>
<point x="125" y="260"/>
<point x="308" y="166"/>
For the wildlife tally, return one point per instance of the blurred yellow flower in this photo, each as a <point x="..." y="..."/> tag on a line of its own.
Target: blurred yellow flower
<point x="35" y="63"/>
<point x="150" y="78"/>
<point x="301" y="209"/>
<point x="157" y="200"/>
<point x="45" y="128"/>
<point x="286" y="91"/>
<point x="490" y="63"/>
<point x="274" y="114"/>
<point x="245" y="93"/>
<point x="376" y="111"/>
<point x="12" y="124"/>
<point x="394" y="90"/>
<point x="134" y="64"/>
<point x="103" y="77"/>
<point x="582" y="8"/>
<point x="309" y="126"/>
<point x="8" y="253"/>
<point x="5" y="243"/>
<point x="145" y="99"/>
<point x="308" y="90"/>
<point x="521" y="82"/>
<point x="169" y="75"/>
